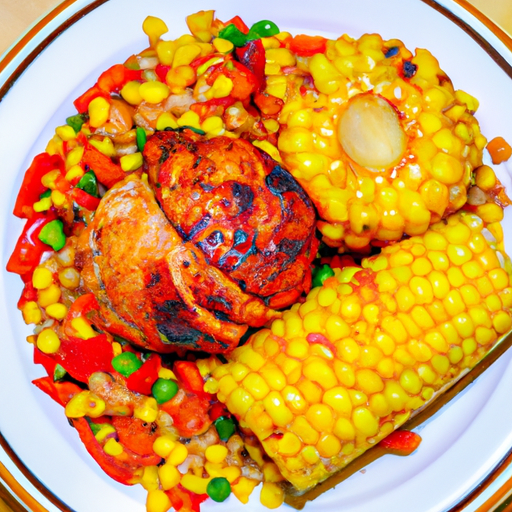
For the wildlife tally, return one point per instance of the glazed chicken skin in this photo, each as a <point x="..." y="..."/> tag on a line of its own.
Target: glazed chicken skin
<point x="155" y="290"/>
<point x="248" y="215"/>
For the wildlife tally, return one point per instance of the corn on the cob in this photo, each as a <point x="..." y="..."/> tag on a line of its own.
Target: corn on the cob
<point x="374" y="344"/>
<point x="378" y="137"/>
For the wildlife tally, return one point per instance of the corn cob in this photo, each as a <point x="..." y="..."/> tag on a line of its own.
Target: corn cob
<point x="379" y="138"/>
<point x="370" y="346"/>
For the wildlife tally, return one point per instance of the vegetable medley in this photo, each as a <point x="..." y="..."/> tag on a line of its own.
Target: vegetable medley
<point x="250" y="256"/>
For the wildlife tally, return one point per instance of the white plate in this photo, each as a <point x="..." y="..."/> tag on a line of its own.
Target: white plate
<point x="461" y="445"/>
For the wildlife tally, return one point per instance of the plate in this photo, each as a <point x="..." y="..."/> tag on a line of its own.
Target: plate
<point x="462" y="444"/>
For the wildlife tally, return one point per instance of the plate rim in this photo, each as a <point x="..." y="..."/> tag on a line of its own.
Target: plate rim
<point x="491" y="492"/>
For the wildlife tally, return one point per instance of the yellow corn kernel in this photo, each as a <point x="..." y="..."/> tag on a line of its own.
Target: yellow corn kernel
<point x="178" y="454"/>
<point x="154" y="91"/>
<point x="48" y="341"/>
<point x="277" y="409"/>
<point x="243" y="488"/>
<point x="83" y="328"/>
<point x="58" y="198"/>
<point x="223" y="45"/>
<point x="485" y="178"/>
<point x="195" y="483"/>
<point x="75" y="172"/>
<point x="42" y="205"/>
<point x="57" y="311"/>
<point x="271" y="495"/>
<point x="328" y="446"/>
<point x="365" y="422"/>
<point x="163" y="445"/>
<point x="216" y="453"/>
<point x="99" y="111"/>
<point x="157" y="501"/>
<point x="148" y="411"/>
<point x="31" y="313"/>
<point x="189" y="118"/>
<point x="105" y="146"/>
<point x="169" y="476"/>
<point x="112" y="447"/>
<point x="42" y="278"/>
<point x="131" y="162"/>
<point x="48" y="295"/>
<point x="85" y="403"/>
<point x="65" y="132"/>
<point x="130" y="92"/>
<point x="185" y="54"/>
<point x="256" y="385"/>
<point x="154" y="28"/>
<point x="213" y="126"/>
<point x="105" y="430"/>
<point x="289" y="445"/>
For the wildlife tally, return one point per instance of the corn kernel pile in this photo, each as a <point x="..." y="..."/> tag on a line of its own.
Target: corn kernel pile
<point x="385" y="147"/>
<point x="349" y="365"/>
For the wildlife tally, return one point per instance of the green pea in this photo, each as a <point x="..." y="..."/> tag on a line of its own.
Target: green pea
<point x="218" y="489"/>
<point x="141" y="138"/>
<point x="126" y="363"/>
<point x="263" y="28"/>
<point x="233" y="34"/>
<point x="164" y="389"/>
<point x="225" y="427"/>
<point x="320" y="274"/>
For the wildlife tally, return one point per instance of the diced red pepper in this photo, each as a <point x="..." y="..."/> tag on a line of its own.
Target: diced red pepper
<point x="252" y="56"/>
<point x="82" y="102"/>
<point x="401" y="442"/>
<point x="61" y="392"/>
<point x="185" y="500"/>
<point x="239" y="24"/>
<point x="107" y="172"/>
<point x="81" y="358"/>
<point x="190" y="377"/>
<point x="217" y="410"/>
<point x="32" y="188"/>
<point x="45" y="360"/>
<point x="29" y="249"/>
<point x="306" y="46"/>
<point x="161" y="71"/>
<point x="29" y="293"/>
<point x="111" y="80"/>
<point x="142" y="380"/>
<point x="121" y="470"/>
<point x="213" y="107"/>
<point x="114" y="78"/>
<point x="85" y="200"/>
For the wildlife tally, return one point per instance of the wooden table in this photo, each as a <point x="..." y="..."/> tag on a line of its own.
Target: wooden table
<point x="17" y="16"/>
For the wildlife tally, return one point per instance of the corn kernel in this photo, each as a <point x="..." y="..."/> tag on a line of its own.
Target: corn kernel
<point x="154" y="91"/>
<point x="157" y="501"/>
<point x="48" y="341"/>
<point x="112" y="447"/>
<point x="99" y="111"/>
<point x="178" y="454"/>
<point x="131" y="162"/>
<point x="42" y="278"/>
<point x="271" y="495"/>
<point x="57" y="311"/>
<point x="163" y="445"/>
<point x="148" y="411"/>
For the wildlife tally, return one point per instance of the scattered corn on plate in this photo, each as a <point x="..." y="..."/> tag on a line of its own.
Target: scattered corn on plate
<point x="411" y="287"/>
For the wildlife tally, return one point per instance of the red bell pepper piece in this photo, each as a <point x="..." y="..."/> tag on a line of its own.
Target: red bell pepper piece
<point x="45" y="360"/>
<point x="31" y="187"/>
<point x="114" y="78"/>
<point x="124" y="471"/>
<point x="401" y="442"/>
<point x="111" y="80"/>
<point x="29" y="249"/>
<point x="269" y="105"/>
<point x="107" y="172"/>
<point x="190" y="377"/>
<point x="213" y="107"/>
<point x="239" y="24"/>
<point x="85" y="200"/>
<point x="306" y="46"/>
<point x="217" y="410"/>
<point x="183" y="499"/>
<point x="161" y="71"/>
<point x="29" y="293"/>
<point x="142" y="380"/>
<point x="82" y="102"/>
<point x="61" y="392"/>
<point x="252" y="56"/>
<point x="81" y="358"/>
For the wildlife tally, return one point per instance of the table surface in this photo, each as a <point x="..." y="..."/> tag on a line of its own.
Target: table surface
<point x="17" y="17"/>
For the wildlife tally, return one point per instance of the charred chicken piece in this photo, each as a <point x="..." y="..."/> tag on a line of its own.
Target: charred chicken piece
<point x="247" y="215"/>
<point x="154" y="289"/>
